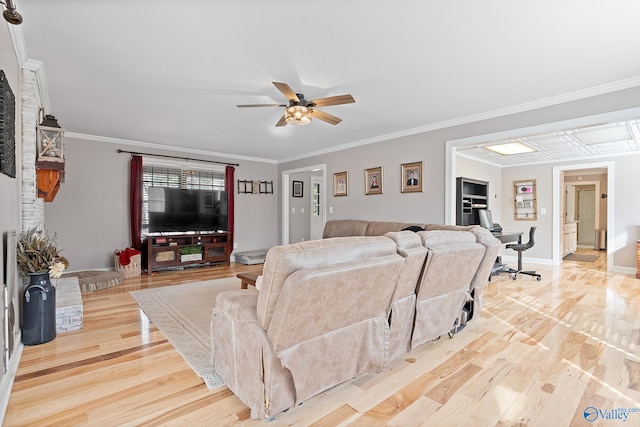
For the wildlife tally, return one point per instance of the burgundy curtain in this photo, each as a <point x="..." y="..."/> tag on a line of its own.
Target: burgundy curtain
<point x="135" y="201"/>
<point x="228" y="186"/>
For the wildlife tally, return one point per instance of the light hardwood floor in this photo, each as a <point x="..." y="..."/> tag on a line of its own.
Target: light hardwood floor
<point x="539" y="354"/>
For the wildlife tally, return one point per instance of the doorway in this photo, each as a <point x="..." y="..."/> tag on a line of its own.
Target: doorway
<point x="582" y="206"/>
<point x="317" y="170"/>
<point x="596" y="208"/>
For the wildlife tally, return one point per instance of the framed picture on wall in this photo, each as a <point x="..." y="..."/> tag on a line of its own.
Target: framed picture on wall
<point x="341" y="184"/>
<point x="297" y="188"/>
<point x="412" y="177"/>
<point x="373" y="180"/>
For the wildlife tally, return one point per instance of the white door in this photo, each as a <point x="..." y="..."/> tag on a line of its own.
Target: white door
<point x="317" y="200"/>
<point x="586" y="214"/>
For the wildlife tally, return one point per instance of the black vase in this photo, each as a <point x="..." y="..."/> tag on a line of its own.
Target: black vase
<point x="39" y="310"/>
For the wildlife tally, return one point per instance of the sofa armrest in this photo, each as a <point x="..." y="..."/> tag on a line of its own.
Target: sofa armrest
<point x="480" y="280"/>
<point x="244" y="357"/>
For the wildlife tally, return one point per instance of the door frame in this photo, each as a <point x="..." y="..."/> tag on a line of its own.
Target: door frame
<point x="557" y="195"/>
<point x="286" y="195"/>
<point x="316" y="179"/>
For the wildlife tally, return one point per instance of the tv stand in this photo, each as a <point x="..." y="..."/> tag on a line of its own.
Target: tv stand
<point x="163" y="251"/>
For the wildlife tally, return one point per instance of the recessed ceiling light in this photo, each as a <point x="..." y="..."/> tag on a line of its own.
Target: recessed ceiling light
<point x="603" y="134"/>
<point x="510" y="148"/>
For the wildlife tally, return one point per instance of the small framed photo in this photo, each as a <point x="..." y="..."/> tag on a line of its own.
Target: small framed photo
<point x="297" y="188"/>
<point x="412" y="177"/>
<point x="341" y="184"/>
<point x="373" y="180"/>
<point x="524" y="189"/>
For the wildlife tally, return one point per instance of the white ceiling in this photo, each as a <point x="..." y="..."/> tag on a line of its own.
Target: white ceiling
<point x="170" y="73"/>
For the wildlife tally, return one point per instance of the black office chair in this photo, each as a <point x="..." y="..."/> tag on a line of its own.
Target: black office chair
<point x="521" y="247"/>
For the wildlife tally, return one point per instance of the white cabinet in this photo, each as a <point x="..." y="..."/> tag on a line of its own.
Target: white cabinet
<point x="569" y="238"/>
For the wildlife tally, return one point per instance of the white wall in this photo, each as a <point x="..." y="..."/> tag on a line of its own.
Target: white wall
<point x="392" y="205"/>
<point x="90" y="213"/>
<point x="626" y="210"/>
<point x="10" y="219"/>
<point x="429" y="147"/>
<point x="299" y="214"/>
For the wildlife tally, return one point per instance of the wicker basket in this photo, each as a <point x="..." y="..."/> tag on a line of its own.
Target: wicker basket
<point x="131" y="270"/>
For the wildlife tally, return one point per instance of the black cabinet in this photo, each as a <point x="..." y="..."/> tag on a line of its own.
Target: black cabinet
<point x="471" y="195"/>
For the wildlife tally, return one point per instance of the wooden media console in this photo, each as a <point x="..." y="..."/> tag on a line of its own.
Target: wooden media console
<point x="201" y="248"/>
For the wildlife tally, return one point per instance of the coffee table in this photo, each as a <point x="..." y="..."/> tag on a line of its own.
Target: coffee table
<point x="247" y="279"/>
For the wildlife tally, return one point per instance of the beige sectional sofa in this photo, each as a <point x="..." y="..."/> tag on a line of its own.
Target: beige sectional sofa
<point x="329" y="310"/>
<point x="356" y="227"/>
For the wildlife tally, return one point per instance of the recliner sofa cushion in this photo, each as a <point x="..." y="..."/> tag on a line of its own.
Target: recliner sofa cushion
<point x="379" y="228"/>
<point x="344" y="228"/>
<point x="452" y="261"/>
<point x="282" y="261"/>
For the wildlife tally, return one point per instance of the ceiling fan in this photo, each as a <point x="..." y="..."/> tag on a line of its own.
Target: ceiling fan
<point x="300" y="111"/>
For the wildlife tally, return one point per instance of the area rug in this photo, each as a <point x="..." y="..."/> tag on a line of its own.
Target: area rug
<point x="183" y="313"/>
<point x="581" y="257"/>
<point x="94" y="280"/>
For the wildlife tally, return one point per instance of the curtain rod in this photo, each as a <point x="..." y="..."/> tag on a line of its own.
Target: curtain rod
<point x="180" y="158"/>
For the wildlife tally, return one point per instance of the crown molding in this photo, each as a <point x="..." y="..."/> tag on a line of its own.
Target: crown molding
<point x="20" y="47"/>
<point x="38" y="68"/>
<point x="17" y="38"/>
<point x="97" y="138"/>
<point x="520" y="108"/>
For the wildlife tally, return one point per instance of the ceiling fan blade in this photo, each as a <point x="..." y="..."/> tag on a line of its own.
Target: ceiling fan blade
<point x="281" y="122"/>
<point x="325" y="117"/>
<point x="334" y="100"/>
<point x="259" y="105"/>
<point x="287" y="91"/>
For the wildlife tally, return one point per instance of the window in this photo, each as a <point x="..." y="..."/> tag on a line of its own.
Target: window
<point x="175" y="177"/>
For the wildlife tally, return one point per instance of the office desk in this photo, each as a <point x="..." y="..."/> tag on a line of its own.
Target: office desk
<point x="509" y="236"/>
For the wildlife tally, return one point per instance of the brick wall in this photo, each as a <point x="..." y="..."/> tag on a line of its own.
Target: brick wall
<point x="32" y="206"/>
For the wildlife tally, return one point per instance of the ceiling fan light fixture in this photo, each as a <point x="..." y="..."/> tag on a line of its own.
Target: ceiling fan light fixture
<point x="297" y="115"/>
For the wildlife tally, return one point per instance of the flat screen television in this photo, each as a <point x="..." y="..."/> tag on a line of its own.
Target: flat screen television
<point x="178" y="210"/>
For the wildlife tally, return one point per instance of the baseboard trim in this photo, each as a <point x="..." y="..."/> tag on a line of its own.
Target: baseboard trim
<point x="624" y="270"/>
<point x="7" y="380"/>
